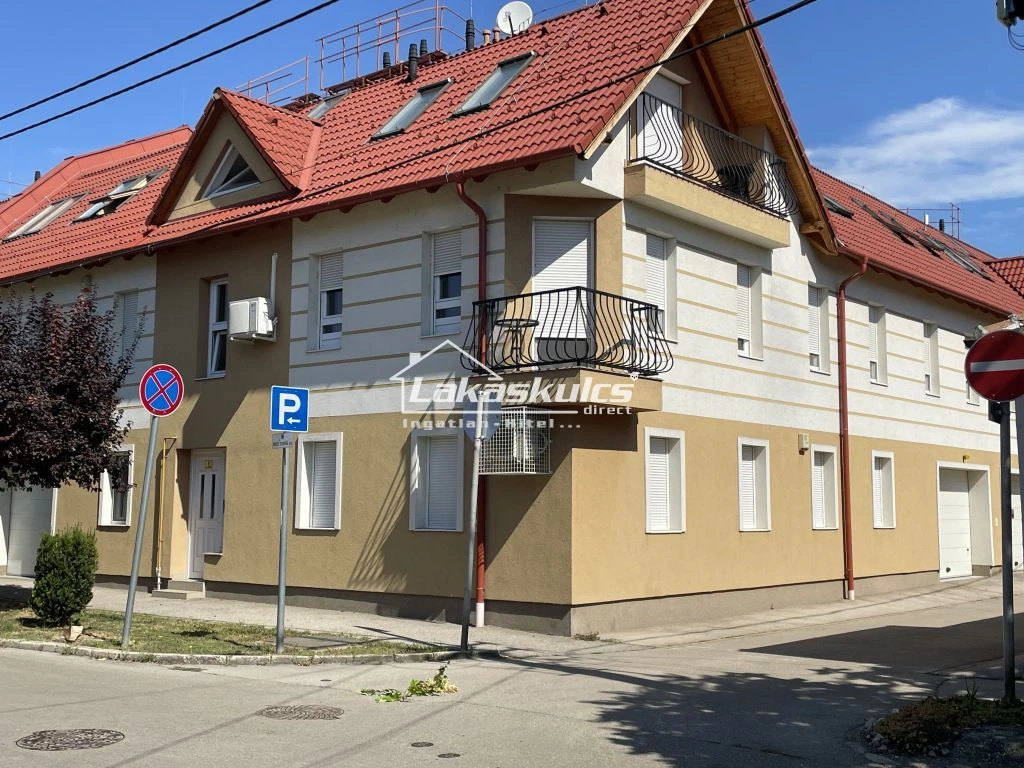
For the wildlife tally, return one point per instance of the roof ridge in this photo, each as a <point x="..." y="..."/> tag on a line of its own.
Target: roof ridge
<point x="138" y="158"/>
<point x="265" y="105"/>
<point x="128" y="142"/>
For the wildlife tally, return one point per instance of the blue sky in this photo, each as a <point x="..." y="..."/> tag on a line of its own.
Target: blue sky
<point x="917" y="101"/>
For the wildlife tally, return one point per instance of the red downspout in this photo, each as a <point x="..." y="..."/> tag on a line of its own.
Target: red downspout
<point x="481" y="494"/>
<point x="844" y="430"/>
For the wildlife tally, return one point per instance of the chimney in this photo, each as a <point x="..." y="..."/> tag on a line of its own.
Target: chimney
<point x="487" y="37"/>
<point x="38" y="175"/>
<point x="926" y="222"/>
<point x="470" y="34"/>
<point x="942" y="225"/>
<point x="497" y="34"/>
<point x="414" y="66"/>
<point x="387" y="60"/>
<point x="423" y="47"/>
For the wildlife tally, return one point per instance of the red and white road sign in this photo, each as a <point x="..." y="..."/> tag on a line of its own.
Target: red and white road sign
<point x="161" y="390"/>
<point x="995" y="365"/>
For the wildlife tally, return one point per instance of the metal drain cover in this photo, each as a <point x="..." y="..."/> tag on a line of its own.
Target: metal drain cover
<point x="79" y="738"/>
<point x="301" y="712"/>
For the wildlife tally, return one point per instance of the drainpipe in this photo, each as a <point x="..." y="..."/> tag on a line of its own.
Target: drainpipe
<point x="481" y="493"/>
<point x="160" y="507"/>
<point x="844" y="429"/>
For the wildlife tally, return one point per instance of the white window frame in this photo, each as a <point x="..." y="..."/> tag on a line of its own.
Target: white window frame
<point x="303" y="494"/>
<point x="677" y="479"/>
<point x="752" y="347"/>
<point x="877" y="325"/>
<point x="217" y="329"/>
<point x="215" y="186"/>
<point x="932" y="383"/>
<point x="44" y="218"/>
<point x="417" y="484"/>
<point x="834" y="496"/>
<point x="128" y="333"/>
<point x="105" y="505"/>
<point x="330" y="339"/>
<point x="820" y="338"/>
<point x="878" y="518"/>
<point x="667" y="313"/>
<point x="741" y="443"/>
<point x="973" y="398"/>
<point x="432" y="326"/>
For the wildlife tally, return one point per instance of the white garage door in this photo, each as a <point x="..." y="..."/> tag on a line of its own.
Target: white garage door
<point x="30" y="517"/>
<point x="954" y="524"/>
<point x="1018" y="543"/>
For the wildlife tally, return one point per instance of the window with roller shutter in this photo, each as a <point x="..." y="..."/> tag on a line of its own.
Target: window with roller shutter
<point x="882" y="490"/>
<point x="318" y="502"/>
<point x="931" y="358"/>
<point x="754" y="492"/>
<point x="664" y="481"/>
<point x="435" y="477"/>
<point x="748" y="311"/>
<point x="330" y="300"/>
<point x="656" y="280"/>
<point x="129" y="302"/>
<point x="818" y="329"/>
<point x="446" y="282"/>
<point x="877" y="367"/>
<point x="823" y="489"/>
<point x="562" y="256"/>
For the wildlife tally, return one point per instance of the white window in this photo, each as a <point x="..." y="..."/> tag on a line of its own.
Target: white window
<point x="413" y="108"/>
<point x="118" y="196"/>
<point x="115" y="501"/>
<point x="665" y="481"/>
<point x="218" y="337"/>
<point x="330" y="300"/>
<point x="748" y="311"/>
<point x="318" y="491"/>
<point x="931" y="358"/>
<point x="657" y="279"/>
<point x="446" y="282"/>
<point x="817" y="329"/>
<point x="823" y="488"/>
<point x="435" y="480"/>
<point x="233" y="174"/>
<point x="973" y="398"/>
<point x="877" y="367"/>
<point x="44" y="217"/>
<point x="495" y="83"/>
<point x="754" y="486"/>
<point x="883" y="496"/>
<point x="129" y="311"/>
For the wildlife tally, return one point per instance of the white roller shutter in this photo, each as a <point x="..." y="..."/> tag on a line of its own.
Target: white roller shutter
<point x="658" y="484"/>
<point x="927" y="356"/>
<point x="129" y="319"/>
<point x="442" y="455"/>
<point x="873" y="334"/>
<point x="818" y="489"/>
<point x="748" y="475"/>
<point x="323" y="472"/>
<point x="877" y="494"/>
<point x="561" y="259"/>
<point x="447" y="254"/>
<point x="814" y="322"/>
<point x="657" y="273"/>
<point x="332" y="272"/>
<point x="743" y="303"/>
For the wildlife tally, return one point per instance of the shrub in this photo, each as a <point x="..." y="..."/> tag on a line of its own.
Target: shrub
<point x="66" y="565"/>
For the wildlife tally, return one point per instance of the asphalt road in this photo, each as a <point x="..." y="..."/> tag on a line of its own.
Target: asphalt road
<point x="762" y="697"/>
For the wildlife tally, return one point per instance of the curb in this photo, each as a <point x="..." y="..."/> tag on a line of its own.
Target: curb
<point x="225" y="660"/>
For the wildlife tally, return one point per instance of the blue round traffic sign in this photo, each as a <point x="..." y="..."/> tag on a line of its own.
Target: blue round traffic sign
<point x="161" y="390"/>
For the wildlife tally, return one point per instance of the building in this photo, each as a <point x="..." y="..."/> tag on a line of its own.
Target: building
<point x="559" y="214"/>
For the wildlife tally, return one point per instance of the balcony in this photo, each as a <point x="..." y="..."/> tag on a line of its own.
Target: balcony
<point x="675" y="154"/>
<point x="570" y="328"/>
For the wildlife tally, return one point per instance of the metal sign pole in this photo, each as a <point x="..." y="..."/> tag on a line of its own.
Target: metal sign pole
<point x="282" y="556"/>
<point x="467" y="600"/>
<point x="1006" y="518"/>
<point x="140" y="526"/>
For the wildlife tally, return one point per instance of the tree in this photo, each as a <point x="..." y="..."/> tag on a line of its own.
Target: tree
<point x="60" y="372"/>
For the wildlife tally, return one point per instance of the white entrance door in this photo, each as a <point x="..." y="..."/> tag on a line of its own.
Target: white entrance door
<point x="660" y="123"/>
<point x="1018" y="540"/>
<point x="954" y="524"/>
<point x="30" y="517"/>
<point x="206" y="509"/>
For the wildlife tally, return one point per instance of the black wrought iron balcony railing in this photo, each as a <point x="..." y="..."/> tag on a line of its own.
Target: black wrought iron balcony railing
<point x="569" y="328"/>
<point x="682" y="144"/>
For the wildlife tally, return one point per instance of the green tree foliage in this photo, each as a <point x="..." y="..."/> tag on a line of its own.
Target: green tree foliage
<point x="65" y="571"/>
<point x="60" y="372"/>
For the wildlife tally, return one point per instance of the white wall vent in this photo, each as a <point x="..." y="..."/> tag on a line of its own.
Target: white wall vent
<point x="521" y="445"/>
<point x="250" y="319"/>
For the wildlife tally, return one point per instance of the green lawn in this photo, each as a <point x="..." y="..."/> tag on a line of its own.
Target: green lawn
<point x="164" y="634"/>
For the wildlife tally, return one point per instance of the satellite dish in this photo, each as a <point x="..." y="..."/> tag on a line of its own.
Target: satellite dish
<point x="514" y="17"/>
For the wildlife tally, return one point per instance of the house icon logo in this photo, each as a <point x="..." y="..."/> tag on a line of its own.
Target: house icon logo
<point x="429" y="382"/>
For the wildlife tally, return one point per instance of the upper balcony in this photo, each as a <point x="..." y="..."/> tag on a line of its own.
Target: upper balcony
<point x="751" y="193"/>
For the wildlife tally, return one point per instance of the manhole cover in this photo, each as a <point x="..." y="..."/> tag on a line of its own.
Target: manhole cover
<point x="449" y="754"/>
<point x="422" y="744"/>
<point x="301" y="712"/>
<point x="79" y="738"/>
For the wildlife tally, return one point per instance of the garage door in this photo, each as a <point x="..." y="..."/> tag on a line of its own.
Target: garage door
<point x="30" y="517"/>
<point x="954" y="524"/>
<point x="1018" y="554"/>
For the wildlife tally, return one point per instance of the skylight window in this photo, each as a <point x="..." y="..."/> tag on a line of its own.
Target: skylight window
<point x="44" y="217"/>
<point x="415" y="107"/>
<point x="326" y="105"/>
<point x="837" y="207"/>
<point x="232" y="174"/>
<point x="118" y="196"/>
<point x="495" y="83"/>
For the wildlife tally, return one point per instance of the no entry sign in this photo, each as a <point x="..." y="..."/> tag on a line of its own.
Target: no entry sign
<point x="161" y="390"/>
<point x="995" y="365"/>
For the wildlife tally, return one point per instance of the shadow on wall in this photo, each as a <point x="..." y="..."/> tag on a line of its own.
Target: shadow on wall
<point x="381" y="565"/>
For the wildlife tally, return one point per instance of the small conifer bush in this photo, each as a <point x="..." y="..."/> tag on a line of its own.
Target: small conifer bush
<point x="66" y="565"/>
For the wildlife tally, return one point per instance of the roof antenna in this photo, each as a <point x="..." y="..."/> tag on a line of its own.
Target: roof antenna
<point x="414" y="65"/>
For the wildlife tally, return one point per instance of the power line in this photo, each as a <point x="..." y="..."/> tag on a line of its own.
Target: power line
<point x="135" y="61"/>
<point x="171" y="71"/>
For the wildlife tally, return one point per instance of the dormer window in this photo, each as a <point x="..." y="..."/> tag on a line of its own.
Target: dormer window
<point x="233" y="174"/>
<point x="415" y="107"/>
<point x="118" y="196"/>
<point x="495" y="84"/>
<point x="44" y="217"/>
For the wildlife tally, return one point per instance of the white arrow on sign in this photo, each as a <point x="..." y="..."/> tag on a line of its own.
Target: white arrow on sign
<point x="288" y="403"/>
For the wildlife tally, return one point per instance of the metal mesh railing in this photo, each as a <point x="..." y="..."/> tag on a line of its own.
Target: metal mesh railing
<point x="570" y="327"/>
<point x="682" y="144"/>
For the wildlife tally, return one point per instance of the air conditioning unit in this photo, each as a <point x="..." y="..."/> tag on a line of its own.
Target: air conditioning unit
<point x="521" y="445"/>
<point x="249" y="319"/>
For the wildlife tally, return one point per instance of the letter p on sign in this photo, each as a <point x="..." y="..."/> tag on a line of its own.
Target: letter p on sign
<point x="289" y="409"/>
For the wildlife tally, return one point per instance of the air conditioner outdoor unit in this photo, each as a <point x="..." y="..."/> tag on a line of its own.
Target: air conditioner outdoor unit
<point x="250" y="319"/>
<point x="521" y="445"/>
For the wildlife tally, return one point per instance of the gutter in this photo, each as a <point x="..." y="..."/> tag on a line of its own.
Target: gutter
<point x="844" y="429"/>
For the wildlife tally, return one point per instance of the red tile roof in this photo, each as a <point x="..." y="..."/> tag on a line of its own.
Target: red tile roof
<point x="1012" y="271"/>
<point x="65" y="243"/>
<point x="865" y="235"/>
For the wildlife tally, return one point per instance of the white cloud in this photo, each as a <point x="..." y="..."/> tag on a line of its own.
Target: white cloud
<point x="941" y="151"/>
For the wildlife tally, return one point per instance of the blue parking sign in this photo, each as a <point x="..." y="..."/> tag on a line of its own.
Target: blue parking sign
<point x="289" y="409"/>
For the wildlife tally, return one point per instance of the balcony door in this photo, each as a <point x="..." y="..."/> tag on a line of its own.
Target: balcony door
<point x="660" y="123"/>
<point x="563" y="255"/>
